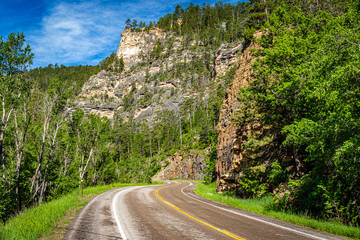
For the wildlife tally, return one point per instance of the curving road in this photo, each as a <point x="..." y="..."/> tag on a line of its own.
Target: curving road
<point x="173" y="211"/>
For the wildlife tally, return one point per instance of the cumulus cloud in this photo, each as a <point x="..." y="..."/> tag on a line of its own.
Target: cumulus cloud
<point x="75" y="33"/>
<point x="84" y="32"/>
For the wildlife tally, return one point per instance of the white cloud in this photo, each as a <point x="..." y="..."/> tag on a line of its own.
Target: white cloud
<point x="76" y="33"/>
<point x="84" y="32"/>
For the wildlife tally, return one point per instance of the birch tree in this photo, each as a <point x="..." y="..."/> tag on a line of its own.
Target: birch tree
<point x="14" y="58"/>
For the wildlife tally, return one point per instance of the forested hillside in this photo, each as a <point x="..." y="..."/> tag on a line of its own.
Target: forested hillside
<point x="42" y="146"/>
<point x="45" y="151"/>
<point x="304" y="99"/>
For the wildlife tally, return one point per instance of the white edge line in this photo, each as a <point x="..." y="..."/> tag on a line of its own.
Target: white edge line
<point x="253" y="218"/>
<point x="114" y="209"/>
<point x="121" y="230"/>
<point x="115" y="213"/>
<point x="83" y="209"/>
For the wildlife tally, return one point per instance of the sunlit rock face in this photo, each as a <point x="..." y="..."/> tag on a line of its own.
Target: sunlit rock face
<point x="183" y="166"/>
<point x="231" y="157"/>
<point x="135" y="45"/>
<point x="152" y="84"/>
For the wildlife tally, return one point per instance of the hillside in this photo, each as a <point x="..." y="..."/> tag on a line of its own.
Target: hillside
<point x="261" y="97"/>
<point x="288" y="124"/>
<point x="161" y="73"/>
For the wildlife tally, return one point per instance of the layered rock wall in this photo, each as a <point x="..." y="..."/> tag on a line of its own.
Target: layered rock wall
<point x="184" y="166"/>
<point x="151" y="85"/>
<point x="230" y="155"/>
<point x="136" y="44"/>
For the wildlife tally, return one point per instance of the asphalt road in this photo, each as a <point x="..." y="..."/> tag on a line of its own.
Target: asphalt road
<point x="172" y="211"/>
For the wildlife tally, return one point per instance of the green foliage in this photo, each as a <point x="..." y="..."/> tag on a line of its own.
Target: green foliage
<point x="306" y="92"/>
<point x="277" y="174"/>
<point x="262" y="206"/>
<point x="39" y="221"/>
<point x="224" y="22"/>
<point x="211" y="24"/>
<point x="156" y="52"/>
<point x="248" y="34"/>
<point x="211" y="160"/>
<point x="65" y="81"/>
<point x="14" y="57"/>
<point x="251" y="184"/>
<point x="134" y="26"/>
<point x="45" y="151"/>
<point x="15" y="89"/>
<point x="112" y="63"/>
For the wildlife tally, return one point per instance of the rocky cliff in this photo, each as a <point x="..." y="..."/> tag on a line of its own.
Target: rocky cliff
<point x="161" y="72"/>
<point x="134" y="45"/>
<point x="231" y="157"/>
<point x="184" y="166"/>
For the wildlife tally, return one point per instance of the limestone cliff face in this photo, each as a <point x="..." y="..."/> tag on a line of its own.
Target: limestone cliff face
<point x="134" y="45"/>
<point x="155" y="81"/>
<point x="184" y="165"/>
<point x="151" y="85"/>
<point x="226" y="57"/>
<point x="230" y="156"/>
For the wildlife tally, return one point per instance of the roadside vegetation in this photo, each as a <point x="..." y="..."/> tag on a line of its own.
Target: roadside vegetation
<point x="303" y="106"/>
<point x="306" y="93"/>
<point x="263" y="206"/>
<point x="51" y="219"/>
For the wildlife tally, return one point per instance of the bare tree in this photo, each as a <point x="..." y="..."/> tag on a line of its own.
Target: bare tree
<point x="44" y="183"/>
<point x="20" y="139"/>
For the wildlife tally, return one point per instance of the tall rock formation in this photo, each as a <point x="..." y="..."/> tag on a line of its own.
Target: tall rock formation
<point x="159" y="75"/>
<point x="162" y="71"/>
<point x="134" y="45"/>
<point x="231" y="157"/>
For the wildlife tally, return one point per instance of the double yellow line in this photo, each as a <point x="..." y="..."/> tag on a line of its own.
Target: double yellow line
<point x="186" y="214"/>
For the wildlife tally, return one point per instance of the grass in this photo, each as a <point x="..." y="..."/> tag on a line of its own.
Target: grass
<point x="259" y="206"/>
<point x="50" y="220"/>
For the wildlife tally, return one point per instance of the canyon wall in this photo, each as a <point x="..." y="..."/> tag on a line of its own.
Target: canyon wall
<point x="159" y="75"/>
<point x="231" y="157"/>
<point x="154" y="82"/>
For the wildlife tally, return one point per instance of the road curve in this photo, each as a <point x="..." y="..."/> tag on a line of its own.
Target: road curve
<point x="173" y="211"/>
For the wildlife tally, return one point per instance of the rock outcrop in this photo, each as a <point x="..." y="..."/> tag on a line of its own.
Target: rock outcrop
<point x="154" y="81"/>
<point x="231" y="157"/>
<point x="184" y="166"/>
<point x="135" y="45"/>
<point x="226" y="57"/>
<point x="162" y="71"/>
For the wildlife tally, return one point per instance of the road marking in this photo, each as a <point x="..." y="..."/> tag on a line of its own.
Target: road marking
<point x="115" y="213"/>
<point x="253" y="218"/>
<point x="186" y="214"/>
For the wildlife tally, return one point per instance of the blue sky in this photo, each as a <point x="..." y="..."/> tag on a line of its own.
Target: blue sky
<point x="74" y="32"/>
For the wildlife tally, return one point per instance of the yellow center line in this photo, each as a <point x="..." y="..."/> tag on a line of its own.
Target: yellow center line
<point x="186" y="214"/>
